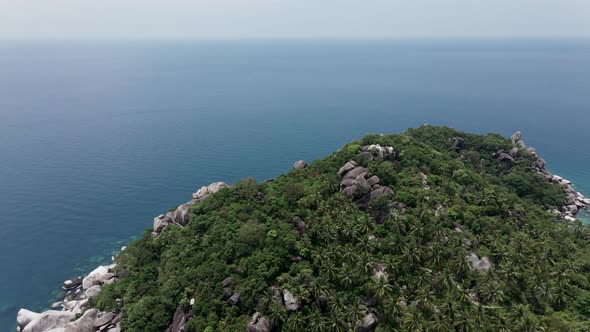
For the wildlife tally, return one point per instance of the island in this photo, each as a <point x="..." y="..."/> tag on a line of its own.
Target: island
<point x="432" y="229"/>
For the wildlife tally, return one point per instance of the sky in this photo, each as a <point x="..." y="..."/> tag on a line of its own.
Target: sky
<point x="236" y="19"/>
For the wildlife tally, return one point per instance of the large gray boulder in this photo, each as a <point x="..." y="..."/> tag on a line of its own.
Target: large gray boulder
<point x="104" y="319"/>
<point x="258" y="324"/>
<point x="49" y="320"/>
<point x="347" y="167"/>
<point x="97" y="277"/>
<point x="457" y="143"/>
<point x="481" y="266"/>
<point x="182" y="213"/>
<point x="300" y="164"/>
<point x="355" y="172"/>
<point x="234" y="299"/>
<point x="506" y="160"/>
<point x="92" y="291"/>
<point x="362" y="185"/>
<point x="24" y="317"/>
<point x="84" y="323"/>
<point x="161" y="221"/>
<point x="539" y="163"/>
<point x="291" y="303"/>
<point x="516" y="137"/>
<point x="385" y="152"/>
<point x="179" y="320"/>
<point x="368" y="323"/>
<point x="299" y="225"/>
<point x="75" y="306"/>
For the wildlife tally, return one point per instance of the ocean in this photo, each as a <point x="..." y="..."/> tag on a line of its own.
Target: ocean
<point x="97" y="138"/>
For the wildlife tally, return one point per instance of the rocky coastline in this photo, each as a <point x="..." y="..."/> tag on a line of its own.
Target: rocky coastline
<point x="79" y="290"/>
<point x="574" y="203"/>
<point x="70" y="313"/>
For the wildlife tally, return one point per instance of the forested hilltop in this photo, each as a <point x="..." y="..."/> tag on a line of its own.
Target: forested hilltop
<point x="429" y="230"/>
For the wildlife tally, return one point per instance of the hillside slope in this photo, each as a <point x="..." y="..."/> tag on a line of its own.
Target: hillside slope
<point x="432" y="229"/>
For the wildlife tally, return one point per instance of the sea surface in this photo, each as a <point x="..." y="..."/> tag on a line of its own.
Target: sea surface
<point x="96" y="138"/>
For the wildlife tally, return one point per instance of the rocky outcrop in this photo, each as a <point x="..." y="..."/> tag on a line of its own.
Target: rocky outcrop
<point x="516" y="137"/>
<point x="574" y="200"/>
<point x="481" y="266"/>
<point x="98" y="277"/>
<point x="92" y="291"/>
<point x="234" y="298"/>
<point x="299" y="225"/>
<point x="181" y="215"/>
<point x="377" y="151"/>
<point x="84" y="323"/>
<point x="258" y="324"/>
<point x="358" y="184"/>
<point x="209" y="190"/>
<point x="457" y="143"/>
<point x="506" y="160"/>
<point x="24" y="317"/>
<point x="77" y="293"/>
<point x="182" y="315"/>
<point x="300" y="164"/>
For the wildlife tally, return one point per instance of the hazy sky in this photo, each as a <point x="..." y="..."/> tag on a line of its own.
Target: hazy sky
<point x="293" y="18"/>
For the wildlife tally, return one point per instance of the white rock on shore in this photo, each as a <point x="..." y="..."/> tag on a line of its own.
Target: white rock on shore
<point x="49" y="320"/>
<point x="209" y="190"/>
<point x="97" y="277"/>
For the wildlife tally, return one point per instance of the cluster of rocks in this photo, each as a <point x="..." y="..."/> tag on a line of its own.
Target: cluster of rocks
<point x="574" y="201"/>
<point x="377" y="151"/>
<point x="181" y="215"/>
<point x="283" y="297"/>
<point x="357" y="183"/>
<point x="77" y="292"/>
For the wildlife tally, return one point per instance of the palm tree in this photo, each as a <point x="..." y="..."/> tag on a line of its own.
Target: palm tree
<point x="412" y="321"/>
<point x="463" y="323"/>
<point x="425" y="298"/>
<point x="330" y="270"/>
<point x="315" y="322"/>
<point x="439" y="324"/>
<point x="355" y="312"/>
<point x="336" y="323"/>
<point x="481" y="318"/>
<point x="346" y="276"/>
<point x="277" y="314"/>
<point x="295" y="322"/>
<point x="380" y="288"/>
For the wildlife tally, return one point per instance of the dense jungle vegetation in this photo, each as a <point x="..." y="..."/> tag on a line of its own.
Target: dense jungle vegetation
<point x="447" y="205"/>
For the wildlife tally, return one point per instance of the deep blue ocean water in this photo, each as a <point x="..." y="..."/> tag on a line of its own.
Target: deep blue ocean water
<point x="96" y="138"/>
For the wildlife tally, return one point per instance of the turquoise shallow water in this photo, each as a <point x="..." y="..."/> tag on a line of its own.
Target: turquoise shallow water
<point x="98" y="138"/>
